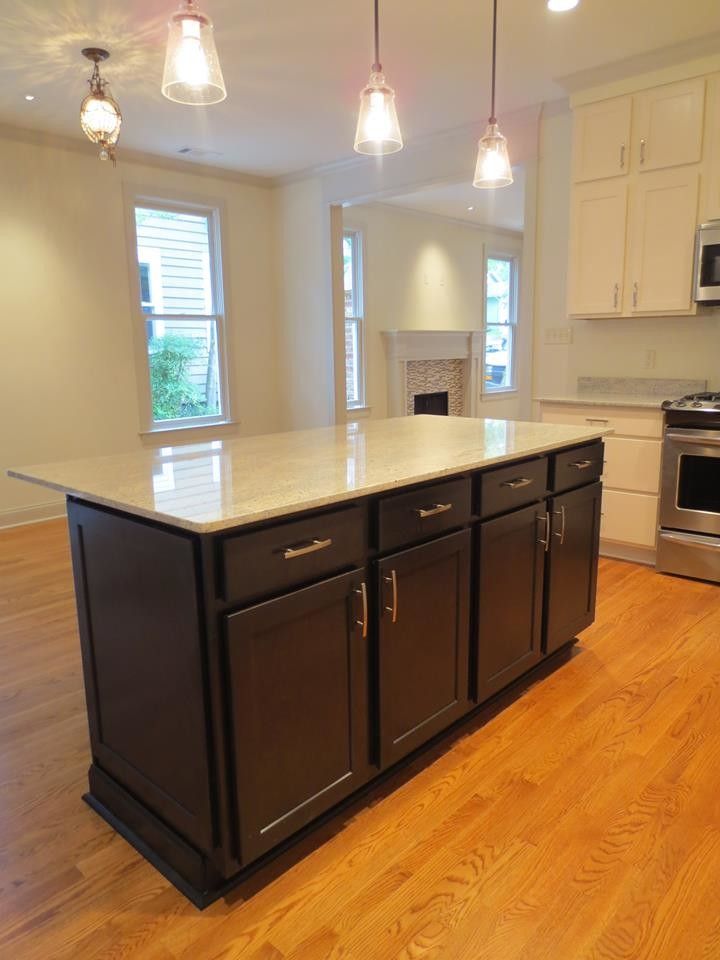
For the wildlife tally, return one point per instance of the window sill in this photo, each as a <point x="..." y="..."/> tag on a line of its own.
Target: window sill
<point x="191" y="430"/>
<point x="498" y="394"/>
<point x="353" y="412"/>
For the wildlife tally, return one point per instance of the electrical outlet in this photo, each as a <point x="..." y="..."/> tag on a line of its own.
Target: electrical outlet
<point x="650" y="359"/>
<point x="558" y="335"/>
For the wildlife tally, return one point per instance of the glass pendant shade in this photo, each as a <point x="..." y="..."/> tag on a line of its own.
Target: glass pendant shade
<point x="560" y="6"/>
<point x="493" y="163"/>
<point x="378" y="130"/>
<point x="192" y="69"/>
<point x="100" y="119"/>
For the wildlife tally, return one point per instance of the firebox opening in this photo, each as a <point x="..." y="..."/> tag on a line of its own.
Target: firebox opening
<point x="433" y="403"/>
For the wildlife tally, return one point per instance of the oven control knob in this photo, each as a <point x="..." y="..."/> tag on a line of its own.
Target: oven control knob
<point x="697" y="403"/>
<point x="717" y="406"/>
<point x="681" y="403"/>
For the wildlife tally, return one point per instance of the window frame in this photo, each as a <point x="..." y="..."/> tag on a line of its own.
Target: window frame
<point x="358" y="240"/>
<point x="514" y="260"/>
<point x="213" y="210"/>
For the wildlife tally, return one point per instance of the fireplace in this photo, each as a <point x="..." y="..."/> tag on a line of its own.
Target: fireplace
<point x="433" y="403"/>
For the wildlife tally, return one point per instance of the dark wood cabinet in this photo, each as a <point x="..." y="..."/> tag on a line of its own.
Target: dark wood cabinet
<point x="510" y="561"/>
<point x="423" y="642"/>
<point x="571" y="579"/>
<point x="298" y="685"/>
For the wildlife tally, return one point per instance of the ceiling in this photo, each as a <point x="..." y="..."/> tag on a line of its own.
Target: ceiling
<point x="461" y="201"/>
<point x="293" y="70"/>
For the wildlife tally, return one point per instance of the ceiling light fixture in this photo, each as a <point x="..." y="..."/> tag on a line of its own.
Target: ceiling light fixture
<point x="378" y="130"/>
<point x="493" y="163"/>
<point x="29" y="96"/>
<point x="559" y="6"/>
<point x="192" y="71"/>
<point x="100" y="115"/>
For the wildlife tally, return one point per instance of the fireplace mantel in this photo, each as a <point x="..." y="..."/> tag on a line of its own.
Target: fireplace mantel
<point x="403" y="346"/>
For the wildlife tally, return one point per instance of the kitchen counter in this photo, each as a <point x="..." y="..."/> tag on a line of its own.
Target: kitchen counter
<point x="606" y="400"/>
<point x="213" y="486"/>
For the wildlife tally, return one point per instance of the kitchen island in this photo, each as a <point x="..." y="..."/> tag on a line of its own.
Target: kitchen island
<point x="270" y="624"/>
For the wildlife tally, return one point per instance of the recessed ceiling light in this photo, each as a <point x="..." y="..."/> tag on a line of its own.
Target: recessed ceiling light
<point x="471" y="208"/>
<point x="559" y="6"/>
<point x="29" y="96"/>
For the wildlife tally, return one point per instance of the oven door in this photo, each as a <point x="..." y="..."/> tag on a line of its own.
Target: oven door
<point x="690" y="498"/>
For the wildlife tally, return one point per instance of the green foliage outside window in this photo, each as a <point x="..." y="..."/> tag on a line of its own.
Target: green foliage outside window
<point x="174" y="395"/>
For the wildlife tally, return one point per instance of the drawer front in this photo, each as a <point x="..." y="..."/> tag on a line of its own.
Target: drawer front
<point x="633" y="464"/>
<point x="513" y="486"/>
<point x="274" y="559"/>
<point x="625" y="421"/>
<point x="629" y="518"/>
<point x="411" y="517"/>
<point x="576" y="467"/>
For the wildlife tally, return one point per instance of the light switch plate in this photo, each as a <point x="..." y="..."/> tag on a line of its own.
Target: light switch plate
<point x="558" y="335"/>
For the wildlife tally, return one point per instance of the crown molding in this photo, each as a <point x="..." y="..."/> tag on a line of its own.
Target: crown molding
<point x="80" y="145"/>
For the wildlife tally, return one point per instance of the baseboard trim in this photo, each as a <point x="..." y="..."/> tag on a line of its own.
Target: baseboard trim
<point x="624" y="551"/>
<point x="20" y="516"/>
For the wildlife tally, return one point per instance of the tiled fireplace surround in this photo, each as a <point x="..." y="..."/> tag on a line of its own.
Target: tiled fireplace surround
<point x="430" y="361"/>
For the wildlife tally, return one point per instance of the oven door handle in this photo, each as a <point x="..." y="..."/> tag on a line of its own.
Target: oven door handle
<point x="704" y="438"/>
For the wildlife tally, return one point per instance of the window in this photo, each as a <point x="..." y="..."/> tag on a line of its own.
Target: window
<point x="354" y="320"/>
<point x="179" y="283"/>
<point x="500" y="323"/>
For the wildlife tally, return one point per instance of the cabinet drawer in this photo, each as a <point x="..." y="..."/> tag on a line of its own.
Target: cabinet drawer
<point x="629" y="518"/>
<point x="410" y="517"/>
<point x="576" y="467"/>
<point x="274" y="559"/>
<point x="513" y="486"/>
<point x="624" y="421"/>
<point x="633" y="464"/>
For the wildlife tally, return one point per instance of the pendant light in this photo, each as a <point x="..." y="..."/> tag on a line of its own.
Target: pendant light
<point x="192" y="71"/>
<point x="100" y="116"/>
<point x="378" y="130"/>
<point x="493" y="163"/>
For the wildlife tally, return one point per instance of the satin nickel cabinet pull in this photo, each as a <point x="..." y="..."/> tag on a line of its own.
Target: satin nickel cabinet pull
<point x="616" y="296"/>
<point x="434" y="510"/>
<point x="362" y="593"/>
<point x="582" y="464"/>
<point x="636" y="293"/>
<point x="394" y="608"/>
<point x="622" y="156"/>
<point x="560" y="513"/>
<point x="546" y="520"/>
<point x="290" y="553"/>
<point x="643" y="144"/>
<point x="518" y="483"/>
<point x="596" y="420"/>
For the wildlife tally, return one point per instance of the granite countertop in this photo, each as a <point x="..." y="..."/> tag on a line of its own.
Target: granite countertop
<point x="606" y="400"/>
<point x="221" y="484"/>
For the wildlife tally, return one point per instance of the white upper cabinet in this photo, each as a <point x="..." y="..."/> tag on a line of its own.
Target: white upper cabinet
<point x="602" y="139"/>
<point x="711" y="200"/>
<point x="597" y="248"/>
<point x="662" y="231"/>
<point x="669" y="125"/>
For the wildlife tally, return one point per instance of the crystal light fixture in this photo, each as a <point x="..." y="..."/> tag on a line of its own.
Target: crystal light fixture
<point x="493" y="163"/>
<point x="378" y="130"/>
<point x="192" y="69"/>
<point x="100" y="115"/>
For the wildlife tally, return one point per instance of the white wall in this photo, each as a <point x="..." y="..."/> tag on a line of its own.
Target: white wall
<point x="421" y="273"/>
<point x="684" y="346"/>
<point x="67" y="374"/>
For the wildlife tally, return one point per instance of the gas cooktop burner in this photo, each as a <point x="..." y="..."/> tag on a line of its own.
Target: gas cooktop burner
<point x="696" y="402"/>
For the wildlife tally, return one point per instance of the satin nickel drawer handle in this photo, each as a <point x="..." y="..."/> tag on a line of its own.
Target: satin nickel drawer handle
<point x="518" y="483"/>
<point x="394" y="608"/>
<point x="560" y="513"/>
<point x="362" y="593"/>
<point x="596" y="420"/>
<point x="434" y="510"/>
<point x="581" y="464"/>
<point x="290" y="553"/>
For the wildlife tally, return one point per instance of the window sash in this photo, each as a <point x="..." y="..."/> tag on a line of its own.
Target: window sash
<point x="356" y="323"/>
<point x="511" y="325"/>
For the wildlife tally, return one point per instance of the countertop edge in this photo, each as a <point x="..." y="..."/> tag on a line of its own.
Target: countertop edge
<point x="288" y="510"/>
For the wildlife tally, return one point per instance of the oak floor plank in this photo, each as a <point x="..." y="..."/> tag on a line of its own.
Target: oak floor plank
<point x="580" y="823"/>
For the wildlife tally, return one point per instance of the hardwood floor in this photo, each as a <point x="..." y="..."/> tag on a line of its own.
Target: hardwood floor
<point x="581" y="823"/>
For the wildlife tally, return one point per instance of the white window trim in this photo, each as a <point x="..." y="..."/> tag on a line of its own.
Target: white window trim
<point x="135" y="196"/>
<point x="487" y="393"/>
<point x="359" y="287"/>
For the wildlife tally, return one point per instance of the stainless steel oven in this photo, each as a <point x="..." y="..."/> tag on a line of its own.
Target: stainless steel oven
<point x="689" y="536"/>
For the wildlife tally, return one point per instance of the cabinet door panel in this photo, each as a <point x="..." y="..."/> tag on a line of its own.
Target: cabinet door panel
<point x="711" y="199"/>
<point x="633" y="464"/>
<point x="664" y="220"/>
<point x="597" y="248"/>
<point x="572" y="565"/>
<point x="670" y="125"/>
<point x="509" y="589"/>
<point x="423" y="642"/>
<point x="601" y="139"/>
<point x="299" y="707"/>
<point x="630" y="518"/>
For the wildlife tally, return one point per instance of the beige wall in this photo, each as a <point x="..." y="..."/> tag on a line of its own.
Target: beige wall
<point x="67" y="374"/>
<point x="421" y="273"/>
<point x="684" y="346"/>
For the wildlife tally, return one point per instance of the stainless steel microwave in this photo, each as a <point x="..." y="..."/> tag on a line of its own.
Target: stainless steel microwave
<point x="707" y="263"/>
